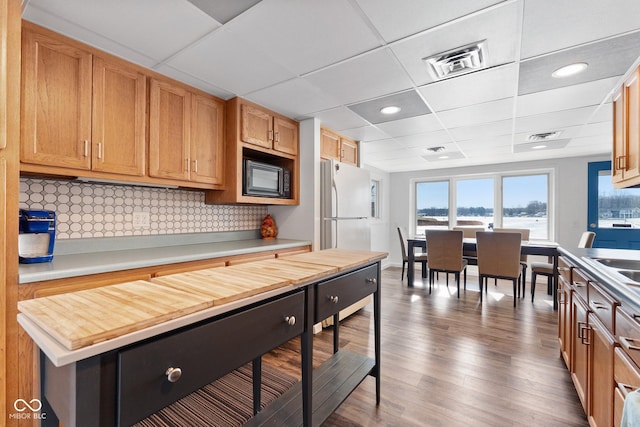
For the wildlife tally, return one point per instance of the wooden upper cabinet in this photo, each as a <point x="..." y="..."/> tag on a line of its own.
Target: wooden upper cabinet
<point x="207" y="139"/>
<point x="169" y="128"/>
<point x="262" y="128"/>
<point x="626" y="132"/>
<point x="80" y="111"/>
<point x="186" y="131"/>
<point x="56" y="102"/>
<point x="118" y="119"/>
<point x="338" y="147"/>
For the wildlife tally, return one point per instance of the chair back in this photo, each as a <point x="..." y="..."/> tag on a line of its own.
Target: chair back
<point x="498" y="253"/>
<point x="524" y="233"/>
<point x="445" y="249"/>
<point x="467" y="231"/>
<point x="586" y="240"/>
<point x="403" y="244"/>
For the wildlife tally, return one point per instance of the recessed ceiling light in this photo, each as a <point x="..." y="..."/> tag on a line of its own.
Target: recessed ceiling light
<point x="443" y="157"/>
<point x="570" y="70"/>
<point x="538" y="147"/>
<point x="391" y="109"/>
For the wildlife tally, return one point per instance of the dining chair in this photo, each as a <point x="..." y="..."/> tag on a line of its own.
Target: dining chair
<point x="524" y="233"/>
<point x="499" y="258"/>
<point x="546" y="269"/>
<point x="469" y="232"/>
<point x="419" y="257"/>
<point x="445" y="255"/>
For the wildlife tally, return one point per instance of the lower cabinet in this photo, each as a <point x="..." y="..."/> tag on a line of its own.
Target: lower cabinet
<point x="579" y="367"/>
<point x="601" y="345"/>
<point x="564" y="318"/>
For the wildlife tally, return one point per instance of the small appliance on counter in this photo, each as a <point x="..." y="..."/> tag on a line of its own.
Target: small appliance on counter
<point x="37" y="236"/>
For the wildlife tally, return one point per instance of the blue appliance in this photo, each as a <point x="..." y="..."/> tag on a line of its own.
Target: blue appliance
<point x="37" y="236"/>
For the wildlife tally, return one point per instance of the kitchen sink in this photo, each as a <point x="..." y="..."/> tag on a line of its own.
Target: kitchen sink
<point x="622" y="264"/>
<point x="631" y="274"/>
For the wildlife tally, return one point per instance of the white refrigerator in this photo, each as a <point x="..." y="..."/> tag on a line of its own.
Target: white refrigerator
<point x="345" y="205"/>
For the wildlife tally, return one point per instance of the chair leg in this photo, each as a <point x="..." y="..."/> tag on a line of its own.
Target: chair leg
<point x="465" y="279"/>
<point x="402" y="274"/>
<point x="480" y="280"/>
<point x="458" y="282"/>
<point x="533" y="284"/>
<point x="524" y="279"/>
<point x="430" y="280"/>
<point x="424" y="269"/>
<point x="514" y="291"/>
<point x="549" y="285"/>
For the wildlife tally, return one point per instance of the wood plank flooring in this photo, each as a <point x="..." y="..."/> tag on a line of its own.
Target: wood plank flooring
<point x="453" y="362"/>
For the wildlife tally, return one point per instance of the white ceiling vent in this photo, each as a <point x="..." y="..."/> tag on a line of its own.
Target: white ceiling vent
<point x="545" y="136"/>
<point x="458" y="61"/>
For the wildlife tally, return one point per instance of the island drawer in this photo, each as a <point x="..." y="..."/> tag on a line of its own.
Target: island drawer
<point x="579" y="283"/>
<point x="203" y="354"/>
<point x="628" y="334"/>
<point x="564" y="269"/>
<point x="337" y="294"/>
<point x="627" y="379"/>
<point x="602" y="305"/>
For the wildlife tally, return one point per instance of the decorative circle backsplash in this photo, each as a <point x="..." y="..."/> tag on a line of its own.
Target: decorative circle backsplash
<point x="102" y="210"/>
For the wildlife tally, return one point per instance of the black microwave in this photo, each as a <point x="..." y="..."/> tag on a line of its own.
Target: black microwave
<point x="266" y="180"/>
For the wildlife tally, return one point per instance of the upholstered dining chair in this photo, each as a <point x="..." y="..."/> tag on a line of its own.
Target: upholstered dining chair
<point x="418" y="257"/>
<point x="445" y="255"/>
<point x="499" y="258"/>
<point x="524" y="233"/>
<point x="469" y="232"/>
<point x="546" y="269"/>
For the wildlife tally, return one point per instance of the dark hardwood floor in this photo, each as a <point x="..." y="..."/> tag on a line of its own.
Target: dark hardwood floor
<point x="453" y="362"/>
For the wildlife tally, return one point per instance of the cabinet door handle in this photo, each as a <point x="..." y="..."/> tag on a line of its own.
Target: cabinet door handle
<point x="585" y="335"/>
<point x="195" y="166"/>
<point x="270" y="135"/>
<point x="333" y="298"/>
<point x="277" y="136"/>
<point x="291" y="320"/>
<point x="187" y="164"/>
<point x="626" y="343"/>
<point x="86" y="148"/>
<point x="622" y="164"/>
<point x="173" y="374"/>
<point x="99" y="150"/>
<point x="580" y="329"/>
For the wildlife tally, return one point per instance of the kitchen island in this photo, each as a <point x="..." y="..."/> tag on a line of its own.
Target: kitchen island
<point x="117" y="377"/>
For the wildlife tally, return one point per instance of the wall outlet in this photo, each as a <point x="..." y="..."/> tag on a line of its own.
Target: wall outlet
<point x="141" y="220"/>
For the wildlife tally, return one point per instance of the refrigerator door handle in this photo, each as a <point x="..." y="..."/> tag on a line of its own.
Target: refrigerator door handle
<point x="334" y="187"/>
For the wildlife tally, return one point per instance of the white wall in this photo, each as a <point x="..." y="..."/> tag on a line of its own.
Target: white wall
<point x="569" y="194"/>
<point x="379" y="227"/>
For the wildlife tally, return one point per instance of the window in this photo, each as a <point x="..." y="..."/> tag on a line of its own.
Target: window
<point x="617" y="207"/>
<point x="509" y="201"/>
<point x="375" y="198"/>
<point x="432" y="203"/>
<point x="474" y="202"/>
<point x="524" y="204"/>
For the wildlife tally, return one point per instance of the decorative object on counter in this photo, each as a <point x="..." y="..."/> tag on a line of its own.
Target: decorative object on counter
<point x="268" y="229"/>
<point x="37" y="236"/>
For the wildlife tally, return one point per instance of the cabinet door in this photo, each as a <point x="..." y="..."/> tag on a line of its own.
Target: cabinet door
<point x="618" y="156"/>
<point x="207" y="143"/>
<point x="56" y="103"/>
<point x="579" y="348"/>
<point x="329" y="145"/>
<point x="286" y="135"/>
<point x="169" y="115"/>
<point x="601" y="383"/>
<point x="118" y="121"/>
<point x="256" y="126"/>
<point x="564" y="319"/>
<point x="349" y="151"/>
<point x="632" y="125"/>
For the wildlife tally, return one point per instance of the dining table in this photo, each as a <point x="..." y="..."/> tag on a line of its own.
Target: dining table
<point x="527" y="247"/>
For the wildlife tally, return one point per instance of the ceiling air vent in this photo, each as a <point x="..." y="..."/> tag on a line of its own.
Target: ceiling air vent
<point x="545" y="136"/>
<point x="458" y="61"/>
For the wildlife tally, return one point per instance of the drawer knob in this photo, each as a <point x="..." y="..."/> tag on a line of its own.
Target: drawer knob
<point x="333" y="298"/>
<point x="291" y="320"/>
<point x="372" y="280"/>
<point x="173" y="374"/>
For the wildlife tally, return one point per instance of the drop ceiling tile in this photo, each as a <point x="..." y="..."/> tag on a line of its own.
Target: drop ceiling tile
<point x="224" y="60"/>
<point x="485" y="143"/>
<point x="551" y="25"/>
<point x="491" y="129"/>
<point x="478" y="114"/>
<point x="482" y="86"/>
<point x="409" y="102"/>
<point x="154" y="28"/>
<point x="194" y="81"/>
<point x="558" y="120"/>
<point x="295" y="98"/>
<point x="340" y="118"/>
<point x="365" y="77"/>
<point x="606" y="58"/>
<point x="381" y="146"/>
<point x="444" y="156"/>
<point x="425" y="140"/>
<point x="306" y="35"/>
<point x="555" y="144"/>
<point x="420" y="124"/>
<point x="604" y="113"/>
<point x="497" y="26"/>
<point x="597" y="129"/>
<point x="398" y="19"/>
<point x="599" y="144"/>
<point x="565" y="98"/>
<point x="365" y="133"/>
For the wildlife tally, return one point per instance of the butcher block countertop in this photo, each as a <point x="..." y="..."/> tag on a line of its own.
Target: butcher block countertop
<point x="76" y="325"/>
